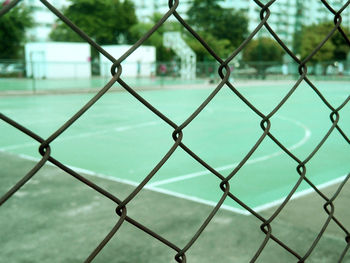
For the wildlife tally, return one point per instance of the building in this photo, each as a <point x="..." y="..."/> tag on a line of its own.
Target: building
<point x="287" y="16"/>
<point x="146" y="8"/>
<point x="58" y="60"/>
<point x="140" y="63"/>
<point x="282" y="20"/>
<point x="316" y="12"/>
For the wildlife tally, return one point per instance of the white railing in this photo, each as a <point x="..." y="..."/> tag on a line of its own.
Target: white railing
<point x="174" y="41"/>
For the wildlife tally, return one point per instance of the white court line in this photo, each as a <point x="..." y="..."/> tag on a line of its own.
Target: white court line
<point x="307" y="135"/>
<point x="133" y="183"/>
<point x="16" y="146"/>
<point x="187" y="197"/>
<point x="196" y="199"/>
<point x="299" y="194"/>
<point x="82" y="135"/>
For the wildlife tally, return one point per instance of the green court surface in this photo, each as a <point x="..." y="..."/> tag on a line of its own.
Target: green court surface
<point x="120" y="139"/>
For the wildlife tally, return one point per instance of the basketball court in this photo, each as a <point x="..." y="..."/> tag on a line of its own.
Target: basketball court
<point x="181" y="162"/>
<point x="120" y="140"/>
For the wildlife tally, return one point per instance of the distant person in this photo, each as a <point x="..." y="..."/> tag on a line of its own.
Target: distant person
<point x="211" y="75"/>
<point x="231" y="79"/>
<point x="284" y="69"/>
<point x="340" y="68"/>
<point x="138" y="68"/>
<point x="330" y="70"/>
<point x="175" y="69"/>
<point x="162" y="69"/>
<point x="153" y="70"/>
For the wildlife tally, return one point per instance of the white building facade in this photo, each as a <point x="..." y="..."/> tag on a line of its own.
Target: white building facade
<point x="316" y="12"/>
<point x="140" y="63"/>
<point x="58" y="60"/>
<point x="146" y="8"/>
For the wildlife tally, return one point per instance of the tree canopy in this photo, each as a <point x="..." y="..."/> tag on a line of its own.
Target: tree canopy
<point x="335" y="49"/>
<point x="263" y="49"/>
<point x="224" y="29"/>
<point x="106" y="21"/>
<point x="222" y="47"/>
<point x="156" y="39"/>
<point x="13" y="26"/>
<point x="263" y="53"/>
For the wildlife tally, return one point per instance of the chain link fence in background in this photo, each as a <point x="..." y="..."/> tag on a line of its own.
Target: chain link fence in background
<point x="241" y="69"/>
<point x="206" y="71"/>
<point x="223" y="73"/>
<point x="80" y="77"/>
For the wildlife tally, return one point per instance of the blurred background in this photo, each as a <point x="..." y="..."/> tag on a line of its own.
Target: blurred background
<point x="37" y="47"/>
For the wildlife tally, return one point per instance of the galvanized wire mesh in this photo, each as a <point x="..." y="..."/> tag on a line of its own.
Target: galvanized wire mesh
<point x="177" y="135"/>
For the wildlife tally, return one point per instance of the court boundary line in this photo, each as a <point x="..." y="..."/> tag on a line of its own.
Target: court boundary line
<point x="307" y="135"/>
<point x="260" y="208"/>
<point x="86" y="134"/>
<point x="133" y="183"/>
<point x="299" y="194"/>
<point x="152" y="186"/>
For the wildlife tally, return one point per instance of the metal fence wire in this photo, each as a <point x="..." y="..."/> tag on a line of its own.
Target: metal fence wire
<point x="177" y="135"/>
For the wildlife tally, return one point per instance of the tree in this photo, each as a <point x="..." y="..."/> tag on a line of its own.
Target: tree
<point x="342" y="47"/>
<point x="105" y="21"/>
<point x="263" y="53"/>
<point x="336" y="47"/>
<point x="212" y="21"/>
<point x="222" y="47"/>
<point x="313" y="35"/>
<point x="202" y="14"/>
<point x="156" y="39"/>
<point x="263" y="49"/>
<point x="13" y="26"/>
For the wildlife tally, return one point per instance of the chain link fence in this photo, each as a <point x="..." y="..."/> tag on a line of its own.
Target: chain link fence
<point x="178" y="134"/>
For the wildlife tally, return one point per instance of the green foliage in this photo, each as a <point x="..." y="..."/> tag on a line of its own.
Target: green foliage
<point x="231" y="25"/>
<point x="342" y="48"/>
<point x="106" y="21"/>
<point x="223" y="29"/>
<point x="263" y="49"/>
<point x="13" y="26"/>
<point x="311" y="37"/>
<point x="263" y="52"/>
<point x="222" y="47"/>
<point x="156" y="39"/>
<point x="203" y="14"/>
<point x="335" y="49"/>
